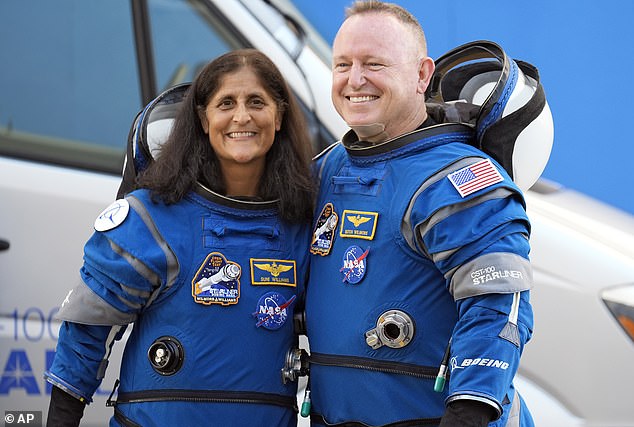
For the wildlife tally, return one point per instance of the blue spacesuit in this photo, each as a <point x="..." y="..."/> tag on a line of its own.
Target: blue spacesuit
<point x="419" y="248"/>
<point x="211" y="284"/>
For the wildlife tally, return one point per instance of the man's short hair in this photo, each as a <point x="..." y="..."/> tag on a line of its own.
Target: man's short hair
<point x="376" y="6"/>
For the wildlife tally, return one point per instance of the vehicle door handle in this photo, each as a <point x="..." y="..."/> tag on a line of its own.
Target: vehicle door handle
<point x="4" y="245"/>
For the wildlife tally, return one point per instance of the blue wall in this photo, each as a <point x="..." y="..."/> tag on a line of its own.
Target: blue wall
<point x="584" y="52"/>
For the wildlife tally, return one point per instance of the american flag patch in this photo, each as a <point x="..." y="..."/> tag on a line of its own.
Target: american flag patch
<point x="475" y="177"/>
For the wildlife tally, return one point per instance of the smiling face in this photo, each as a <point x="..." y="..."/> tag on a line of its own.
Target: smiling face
<point x="241" y="119"/>
<point x="380" y="73"/>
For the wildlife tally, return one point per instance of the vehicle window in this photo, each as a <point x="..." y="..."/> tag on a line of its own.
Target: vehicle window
<point x="185" y="36"/>
<point x="69" y="78"/>
<point x="72" y="89"/>
<point x="68" y="81"/>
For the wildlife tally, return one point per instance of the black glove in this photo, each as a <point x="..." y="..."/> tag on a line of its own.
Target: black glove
<point x="64" y="410"/>
<point x="468" y="413"/>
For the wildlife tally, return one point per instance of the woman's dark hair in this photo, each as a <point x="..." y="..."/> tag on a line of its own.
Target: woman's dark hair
<point x="187" y="156"/>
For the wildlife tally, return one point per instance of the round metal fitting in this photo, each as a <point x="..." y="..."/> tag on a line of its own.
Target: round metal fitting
<point x="166" y="355"/>
<point x="394" y="329"/>
<point x="296" y="365"/>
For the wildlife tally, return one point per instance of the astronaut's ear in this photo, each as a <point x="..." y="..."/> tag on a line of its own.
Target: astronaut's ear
<point x="204" y="122"/>
<point x="425" y="71"/>
<point x="278" y="120"/>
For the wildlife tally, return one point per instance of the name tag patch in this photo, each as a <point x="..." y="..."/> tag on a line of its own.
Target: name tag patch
<point x="273" y="272"/>
<point x="358" y="224"/>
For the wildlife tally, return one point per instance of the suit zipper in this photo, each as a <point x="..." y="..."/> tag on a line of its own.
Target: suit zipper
<point x="426" y="372"/>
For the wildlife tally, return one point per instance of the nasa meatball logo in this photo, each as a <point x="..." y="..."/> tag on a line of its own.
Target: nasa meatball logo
<point x="272" y="310"/>
<point x="354" y="264"/>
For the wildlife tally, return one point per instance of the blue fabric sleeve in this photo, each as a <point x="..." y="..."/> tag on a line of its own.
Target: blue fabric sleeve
<point x="77" y="367"/>
<point x="483" y="364"/>
<point x="487" y="229"/>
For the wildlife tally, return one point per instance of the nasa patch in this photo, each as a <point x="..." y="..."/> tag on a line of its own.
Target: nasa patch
<point x="217" y="281"/>
<point x="272" y="310"/>
<point x="354" y="264"/>
<point x="324" y="233"/>
<point x="113" y="215"/>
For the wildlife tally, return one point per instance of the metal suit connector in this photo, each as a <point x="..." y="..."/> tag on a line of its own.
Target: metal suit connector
<point x="394" y="329"/>
<point x="296" y="365"/>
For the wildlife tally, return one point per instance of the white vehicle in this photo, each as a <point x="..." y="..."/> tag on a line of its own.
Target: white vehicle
<point x="583" y="343"/>
<point x="74" y="76"/>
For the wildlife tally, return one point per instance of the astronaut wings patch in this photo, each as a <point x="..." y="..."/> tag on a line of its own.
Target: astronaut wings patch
<point x="279" y="272"/>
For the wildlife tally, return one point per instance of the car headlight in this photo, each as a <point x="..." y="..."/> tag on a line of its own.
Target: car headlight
<point x="620" y="302"/>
